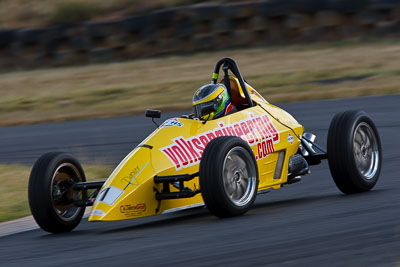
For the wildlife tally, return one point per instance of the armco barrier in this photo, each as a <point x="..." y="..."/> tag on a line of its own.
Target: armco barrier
<point x="198" y="28"/>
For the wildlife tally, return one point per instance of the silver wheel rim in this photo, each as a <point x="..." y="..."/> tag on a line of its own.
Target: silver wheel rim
<point x="64" y="173"/>
<point x="239" y="176"/>
<point x="366" y="152"/>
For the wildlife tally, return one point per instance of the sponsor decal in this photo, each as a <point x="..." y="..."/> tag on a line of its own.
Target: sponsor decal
<point x="136" y="173"/>
<point x="264" y="149"/>
<point x="172" y="122"/>
<point x="129" y="177"/>
<point x="257" y="131"/>
<point x="290" y="139"/>
<point x="133" y="210"/>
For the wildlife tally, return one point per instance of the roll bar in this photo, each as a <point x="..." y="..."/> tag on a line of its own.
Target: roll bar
<point x="231" y="65"/>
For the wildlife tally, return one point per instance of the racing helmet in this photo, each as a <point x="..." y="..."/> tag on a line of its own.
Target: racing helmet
<point x="211" y="101"/>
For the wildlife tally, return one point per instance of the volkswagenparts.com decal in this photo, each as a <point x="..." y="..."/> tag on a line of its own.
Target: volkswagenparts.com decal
<point x="256" y="130"/>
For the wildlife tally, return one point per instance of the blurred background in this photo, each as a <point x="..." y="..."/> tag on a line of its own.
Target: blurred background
<point x="63" y="60"/>
<point x="77" y="76"/>
<point x="69" y="60"/>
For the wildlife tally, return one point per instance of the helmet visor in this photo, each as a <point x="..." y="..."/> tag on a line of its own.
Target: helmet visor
<point x="206" y="108"/>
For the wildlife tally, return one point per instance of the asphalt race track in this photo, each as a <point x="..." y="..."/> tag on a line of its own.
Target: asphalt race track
<point x="309" y="223"/>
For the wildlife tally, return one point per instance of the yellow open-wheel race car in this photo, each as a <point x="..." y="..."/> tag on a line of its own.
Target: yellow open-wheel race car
<point x="222" y="163"/>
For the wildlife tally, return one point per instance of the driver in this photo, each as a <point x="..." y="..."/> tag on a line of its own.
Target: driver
<point x="215" y="95"/>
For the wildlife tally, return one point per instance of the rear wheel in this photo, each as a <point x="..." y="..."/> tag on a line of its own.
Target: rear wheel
<point x="50" y="192"/>
<point x="354" y="152"/>
<point x="228" y="176"/>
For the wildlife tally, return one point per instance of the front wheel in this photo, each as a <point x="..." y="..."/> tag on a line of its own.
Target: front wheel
<point x="50" y="192"/>
<point x="228" y="176"/>
<point x="354" y="152"/>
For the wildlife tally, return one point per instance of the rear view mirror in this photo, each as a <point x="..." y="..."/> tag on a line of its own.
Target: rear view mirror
<point x="151" y="113"/>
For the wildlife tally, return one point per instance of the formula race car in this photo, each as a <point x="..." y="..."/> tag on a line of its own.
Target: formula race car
<point x="222" y="163"/>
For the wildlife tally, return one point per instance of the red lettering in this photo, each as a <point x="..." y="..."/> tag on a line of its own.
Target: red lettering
<point x="197" y="144"/>
<point x="264" y="149"/>
<point x="210" y="136"/>
<point x="189" y="147"/>
<point x="231" y="132"/>
<point x="271" y="128"/>
<point x="251" y="127"/>
<point x="171" y="155"/>
<point x="203" y="140"/>
<point x="225" y="132"/>
<point x="245" y="131"/>
<point x="270" y="146"/>
<point x="265" y="128"/>
<point x="180" y="155"/>
<point x="218" y="133"/>
<point x="223" y="129"/>
<point x="184" y="150"/>
<point x="261" y="129"/>
<point x="257" y="129"/>
<point x="259" y="149"/>
<point x="238" y="130"/>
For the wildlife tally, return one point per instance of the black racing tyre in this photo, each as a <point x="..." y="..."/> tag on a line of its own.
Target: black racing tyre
<point x="50" y="192"/>
<point x="228" y="176"/>
<point x="354" y="152"/>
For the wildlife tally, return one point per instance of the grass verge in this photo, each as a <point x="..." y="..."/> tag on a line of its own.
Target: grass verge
<point x="14" y="188"/>
<point x="280" y="74"/>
